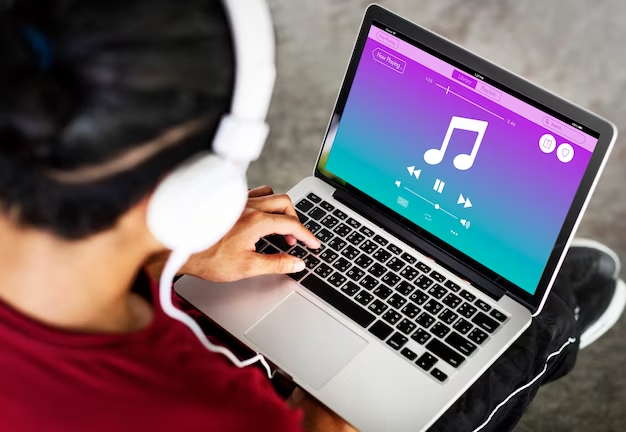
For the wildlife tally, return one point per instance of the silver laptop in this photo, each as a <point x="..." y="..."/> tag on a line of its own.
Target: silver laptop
<point x="445" y="196"/>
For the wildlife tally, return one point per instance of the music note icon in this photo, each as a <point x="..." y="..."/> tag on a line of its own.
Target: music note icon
<point x="463" y="161"/>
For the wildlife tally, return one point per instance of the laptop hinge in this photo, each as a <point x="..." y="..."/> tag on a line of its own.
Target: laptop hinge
<point x="418" y="242"/>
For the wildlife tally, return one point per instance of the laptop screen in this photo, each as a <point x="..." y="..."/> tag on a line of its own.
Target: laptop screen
<point x="483" y="169"/>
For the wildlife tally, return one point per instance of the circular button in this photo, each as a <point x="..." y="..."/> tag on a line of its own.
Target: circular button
<point x="565" y="153"/>
<point x="547" y="143"/>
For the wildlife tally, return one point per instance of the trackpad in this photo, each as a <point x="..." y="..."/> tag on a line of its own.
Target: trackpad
<point x="306" y="341"/>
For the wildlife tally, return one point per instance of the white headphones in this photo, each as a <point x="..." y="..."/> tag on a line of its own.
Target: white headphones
<point x="198" y="203"/>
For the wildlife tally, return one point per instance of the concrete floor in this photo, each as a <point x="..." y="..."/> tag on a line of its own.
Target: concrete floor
<point x="572" y="47"/>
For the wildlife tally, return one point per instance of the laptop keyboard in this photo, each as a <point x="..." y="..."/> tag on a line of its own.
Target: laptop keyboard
<point x="388" y="291"/>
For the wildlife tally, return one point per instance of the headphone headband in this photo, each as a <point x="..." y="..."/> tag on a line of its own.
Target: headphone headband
<point x="243" y="132"/>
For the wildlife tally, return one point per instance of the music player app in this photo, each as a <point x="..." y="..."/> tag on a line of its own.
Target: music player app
<point x="442" y="150"/>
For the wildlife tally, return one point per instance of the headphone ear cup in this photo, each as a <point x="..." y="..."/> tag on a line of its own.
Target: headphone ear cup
<point x="197" y="204"/>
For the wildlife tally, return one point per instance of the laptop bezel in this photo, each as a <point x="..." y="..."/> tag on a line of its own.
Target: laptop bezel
<point x="607" y="134"/>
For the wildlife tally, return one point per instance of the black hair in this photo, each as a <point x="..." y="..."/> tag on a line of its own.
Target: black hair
<point x="120" y="73"/>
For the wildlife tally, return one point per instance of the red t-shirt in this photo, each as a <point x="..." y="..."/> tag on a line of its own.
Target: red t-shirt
<point x="157" y="379"/>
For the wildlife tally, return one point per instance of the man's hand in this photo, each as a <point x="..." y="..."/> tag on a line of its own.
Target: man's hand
<point x="234" y="256"/>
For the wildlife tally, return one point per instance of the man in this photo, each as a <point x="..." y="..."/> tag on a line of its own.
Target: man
<point x="84" y="344"/>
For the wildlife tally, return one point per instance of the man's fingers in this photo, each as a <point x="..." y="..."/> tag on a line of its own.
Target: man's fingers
<point x="274" y="264"/>
<point x="260" y="191"/>
<point x="280" y="204"/>
<point x="285" y="225"/>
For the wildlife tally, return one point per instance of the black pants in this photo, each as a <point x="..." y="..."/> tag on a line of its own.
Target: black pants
<point x="552" y="330"/>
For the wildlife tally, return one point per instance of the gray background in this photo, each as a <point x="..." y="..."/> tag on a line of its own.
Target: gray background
<point x="572" y="47"/>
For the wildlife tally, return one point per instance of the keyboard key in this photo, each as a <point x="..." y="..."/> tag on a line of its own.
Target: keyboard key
<point x="297" y="276"/>
<point x="364" y="298"/>
<point x="467" y="310"/>
<point x="350" y="289"/>
<point x="391" y="279"/>
<point x="438" y="277"/>
<point x="381" y="241"/>
<point x="381" y="330"/>
<point x="354" y="224"/>
<point x="478" y="336"/>
<point x="408" y="258"/>
<point x="326" y="206"/>
<point x="312" y="226"/>
<point x="408" y="354"/>
<point x="368" y="282"/>
<point x="395" y="249"/>
<point x="498" y="315"/>
<point x="381" y="255"/>
<point x="426" y="361"/>
<point x="433" y="306"/>
<point x="260" y="245"/>
<point x="337" y="244"/>
<point x="406" y="326"/>
<point x="395" y="264"/>
<point x="337" y="279"/>
<point x="363" y="261"/>
<point x="437" y="291"/>
<point x="366" y="231"/>
<point x="486" y="323"/>
<point x="311" y="261"/>
<point x="368" y="247"/>
<point x="482" y="305"/>
<point x="460" y="344"/>
<point x="419" y="297"/>
<point x="342" y="230"/>
<point x="468" y="296"/>
<point x="324" y="235"/>
<point x="448" y="316"/>
<point x="382" y="292"/>
<point x="451" y="285"/>
<point x="396" y="301"/>
<point x="314" y="198"/>
<point x="355" y="238"/>
<point x="270" y="250"/>
<point x="410" y="310"/>
<point x="304" y="205"/>
<point x="342" y="265"/>
<point x="404" y="288"/>
<point x="328" y="256"/>
<point x="422" y="267"/>
<point x="392" y="317"/>
<point x="355" y="273"/>
<point x="341" y="215"/>
<point x="440" y="376"/>
<point x="421" y="336"/>
<point x="425" y="320"/>
<point x="301" y="217"/>
<point x="279" y="241"/>
<point x="397" y="341"/>
<point x="324" y="271"/>
<point x="350" y="252"/>
<point x="452" y="301"/>
<point x="409" y="273"/>
<point x="337" y="300"/>
<point x="423" y="282"/>
<point x="440" y="330"/>
<point x="462" y="326"/>
<point x="377" y="270"/>
<point x="330" y="221"/>
<point x="317" y="213"/>
<point x="298" y="252"/>
<point x="378" y="307"/>
<point x="446" y="354"/>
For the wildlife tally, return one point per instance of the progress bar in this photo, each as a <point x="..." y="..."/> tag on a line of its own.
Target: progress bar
<point x="447" y="89"/>
<point x="436" y="206"/>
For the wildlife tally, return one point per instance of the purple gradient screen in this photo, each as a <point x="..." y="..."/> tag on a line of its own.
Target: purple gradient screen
<point x="519" y="195"/>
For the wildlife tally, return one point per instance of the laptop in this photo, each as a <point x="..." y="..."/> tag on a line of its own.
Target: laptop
<point x="445" y="196"/>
